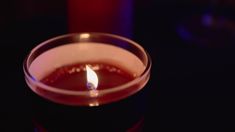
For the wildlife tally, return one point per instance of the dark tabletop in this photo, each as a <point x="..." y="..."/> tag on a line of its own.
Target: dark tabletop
<point x="192" y="81"/>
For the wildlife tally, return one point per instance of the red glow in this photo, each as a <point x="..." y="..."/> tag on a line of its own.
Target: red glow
<point x="112" y="16"/>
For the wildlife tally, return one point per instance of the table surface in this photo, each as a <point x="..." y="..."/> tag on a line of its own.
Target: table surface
<point x="191" y="85"/>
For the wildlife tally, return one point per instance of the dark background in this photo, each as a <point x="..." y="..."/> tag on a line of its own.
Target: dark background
<point x="192" y="79"/>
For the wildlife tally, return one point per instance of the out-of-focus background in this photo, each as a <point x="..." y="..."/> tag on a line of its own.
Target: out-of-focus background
<point x="191" y="43"/>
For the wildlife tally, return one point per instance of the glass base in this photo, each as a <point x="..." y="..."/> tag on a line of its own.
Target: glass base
<point x="125" y="115"/>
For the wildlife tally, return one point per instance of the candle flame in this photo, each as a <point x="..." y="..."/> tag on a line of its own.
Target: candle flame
<point x="92" y="79"/>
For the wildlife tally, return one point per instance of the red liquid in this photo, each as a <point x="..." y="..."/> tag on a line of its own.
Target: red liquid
<point x="73" y="77"/>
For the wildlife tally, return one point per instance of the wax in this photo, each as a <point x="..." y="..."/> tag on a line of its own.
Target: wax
<point x="73" y="77"/>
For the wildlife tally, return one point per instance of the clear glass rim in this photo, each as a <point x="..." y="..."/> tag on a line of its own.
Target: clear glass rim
<point x="39" y="84"/>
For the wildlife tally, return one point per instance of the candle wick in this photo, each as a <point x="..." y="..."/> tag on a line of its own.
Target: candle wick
<point x="91" y="86"/>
